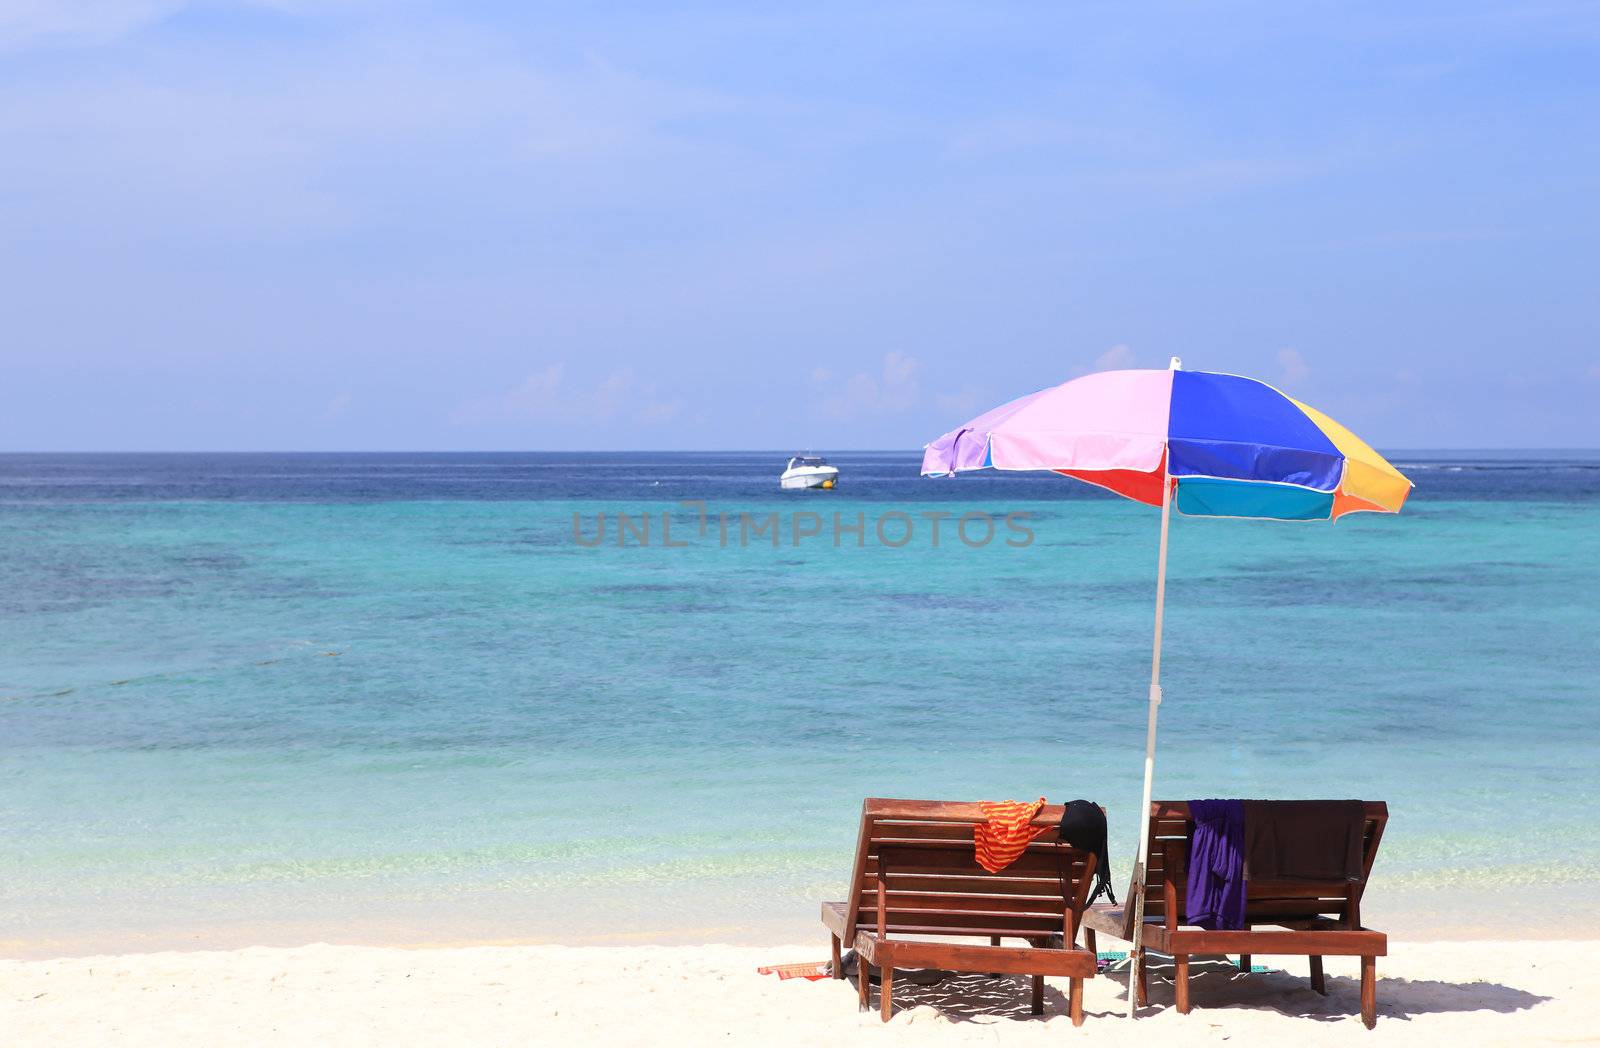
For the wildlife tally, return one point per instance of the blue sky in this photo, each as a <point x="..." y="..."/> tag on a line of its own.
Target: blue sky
<point x="351" y="225"/>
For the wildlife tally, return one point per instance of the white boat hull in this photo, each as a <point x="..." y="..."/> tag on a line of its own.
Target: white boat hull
<point x="805" y="477"/>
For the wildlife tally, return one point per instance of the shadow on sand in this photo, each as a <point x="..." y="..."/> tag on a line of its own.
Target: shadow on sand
<point x="965" y="997"/>
<point x="1213" y="983"/>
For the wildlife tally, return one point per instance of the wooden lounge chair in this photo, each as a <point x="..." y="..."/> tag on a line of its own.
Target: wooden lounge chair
<point x="916" y="874"/>
<point x="1313" y="918"/>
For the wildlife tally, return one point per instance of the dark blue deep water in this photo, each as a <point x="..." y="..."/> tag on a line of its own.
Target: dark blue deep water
<point x="520" y="476"/>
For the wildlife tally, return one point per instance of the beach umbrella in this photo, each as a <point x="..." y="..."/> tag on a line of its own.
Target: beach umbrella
<point x="1209" y="444"/>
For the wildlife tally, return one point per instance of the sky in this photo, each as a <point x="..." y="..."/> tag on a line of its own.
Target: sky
<point x="287" y="225"/>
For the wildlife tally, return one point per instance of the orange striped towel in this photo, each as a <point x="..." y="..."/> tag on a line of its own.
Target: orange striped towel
<point x="1002" y="840"/>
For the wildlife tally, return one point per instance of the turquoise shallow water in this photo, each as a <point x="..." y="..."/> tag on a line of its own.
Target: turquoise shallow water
<point x="416" y="708"/>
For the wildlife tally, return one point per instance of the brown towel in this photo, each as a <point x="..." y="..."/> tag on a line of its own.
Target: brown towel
<point x="1303" y="840"/>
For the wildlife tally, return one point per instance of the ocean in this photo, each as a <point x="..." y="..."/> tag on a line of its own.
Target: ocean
<point x="445" y="697"/>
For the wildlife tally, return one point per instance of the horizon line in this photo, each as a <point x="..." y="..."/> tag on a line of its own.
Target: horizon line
<point x="641" y="451"/>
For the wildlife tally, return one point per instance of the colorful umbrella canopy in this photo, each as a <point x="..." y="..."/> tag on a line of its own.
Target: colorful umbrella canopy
<point x="1234" y="447"/>
<point x="1215" y="445"/>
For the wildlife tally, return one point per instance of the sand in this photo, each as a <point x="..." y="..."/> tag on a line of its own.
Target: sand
<point x="1428" y="993"/>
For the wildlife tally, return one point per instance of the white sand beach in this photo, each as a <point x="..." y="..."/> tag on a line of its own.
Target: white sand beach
<point x="1481" y="992"/>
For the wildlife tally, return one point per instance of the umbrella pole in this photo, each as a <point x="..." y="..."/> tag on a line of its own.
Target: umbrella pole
<point x="1136" y="956"/>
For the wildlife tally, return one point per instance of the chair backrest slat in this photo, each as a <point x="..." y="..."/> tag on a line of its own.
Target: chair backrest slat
<point x="924" y="853"/>
<point x="1170" y="824"/>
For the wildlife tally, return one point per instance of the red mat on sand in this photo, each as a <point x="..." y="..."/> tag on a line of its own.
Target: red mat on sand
<point x="814" y="970"/>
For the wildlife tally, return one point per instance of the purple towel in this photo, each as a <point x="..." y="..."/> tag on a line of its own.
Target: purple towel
<point x="1216" y="866"/>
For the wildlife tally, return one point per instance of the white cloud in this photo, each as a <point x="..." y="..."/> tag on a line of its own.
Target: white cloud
<point x="546" y="396"/>
<point x="1117" y="358"/>
<point x="900" y="386"/>
<point x="88" y="23"/>
<point x="1293" y="365"/>
<point x="621" y="394"/>
<point x="224" y="144"/>
<point x="965" y="403"/>
<point x="336" y="407"/>
<point x="27" y="22"/>
<point x="895" y="389"/>
<point x="612" y="393"/>
<point x="660" y="411"/>
<point x="536" y="396"/>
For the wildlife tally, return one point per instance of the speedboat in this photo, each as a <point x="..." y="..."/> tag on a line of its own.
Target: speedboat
<point x="808" y="471"/>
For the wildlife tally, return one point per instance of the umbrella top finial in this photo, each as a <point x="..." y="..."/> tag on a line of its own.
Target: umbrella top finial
<point x="1176" y="364"/>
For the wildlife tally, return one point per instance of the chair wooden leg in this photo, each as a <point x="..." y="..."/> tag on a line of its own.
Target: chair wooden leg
<point x="1317" y="983"/>
<point x="1088" y="941"/>
<point x="1244" y="962"/>
<point x="886" y="991"/>
<point x="1180" y="982"/>
<point x="1075" y="1002"/>
<point x="994" y="940"/>
<point x="1038" y="995"/>
<point x="863" y="982"/>
<point x="1143" y="989"/>
<point x="837" y="967"/>
<point x="1369" y="991"/>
